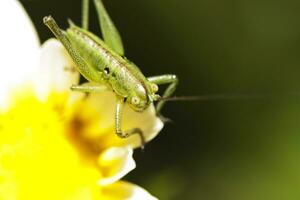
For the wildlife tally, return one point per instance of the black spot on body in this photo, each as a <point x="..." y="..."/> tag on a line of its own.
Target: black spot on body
<point x="106" y="70"/>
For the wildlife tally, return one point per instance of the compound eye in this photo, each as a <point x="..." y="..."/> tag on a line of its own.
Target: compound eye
<point x="135" y="100"/>
<point x="154" y="87"/>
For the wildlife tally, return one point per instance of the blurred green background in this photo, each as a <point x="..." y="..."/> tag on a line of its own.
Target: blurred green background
<point x="213" y="150"/>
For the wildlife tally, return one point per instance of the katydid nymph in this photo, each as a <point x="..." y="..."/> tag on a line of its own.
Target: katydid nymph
<point x="102" y="63"/>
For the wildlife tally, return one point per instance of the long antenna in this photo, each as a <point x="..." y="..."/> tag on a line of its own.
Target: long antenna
<point x="215" y="97"/>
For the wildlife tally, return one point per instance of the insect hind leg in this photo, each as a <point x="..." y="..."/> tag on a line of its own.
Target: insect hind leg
<point x="88" y="72"/>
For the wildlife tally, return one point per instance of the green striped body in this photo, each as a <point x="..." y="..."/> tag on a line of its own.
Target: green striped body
<point x="121" y="75"/>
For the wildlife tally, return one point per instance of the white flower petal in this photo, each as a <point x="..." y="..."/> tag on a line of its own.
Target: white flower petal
<point x="104" y="103"/>
<point x="126" y="191"/>
<point x="56" y="72"/>
<point x="19" y="47"/>
<point x="147" y="120"/>
<point x="151" y="125"/>
<point x="114" y="163"/>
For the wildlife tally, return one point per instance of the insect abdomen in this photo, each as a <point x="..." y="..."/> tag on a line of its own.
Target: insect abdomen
<point x="120" y="74"/>
<point x="92" y="49"/>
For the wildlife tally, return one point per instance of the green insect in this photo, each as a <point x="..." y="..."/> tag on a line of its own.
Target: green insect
<point x="102" y="62"/>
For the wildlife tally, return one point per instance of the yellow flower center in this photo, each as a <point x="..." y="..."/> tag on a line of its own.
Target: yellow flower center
<point x="44" y="152"/>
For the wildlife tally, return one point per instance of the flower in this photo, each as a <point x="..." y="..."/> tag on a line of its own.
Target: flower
<point x="54" y="143"/>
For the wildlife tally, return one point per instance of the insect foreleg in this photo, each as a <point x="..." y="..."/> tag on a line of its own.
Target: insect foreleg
<point x="88" y="72"/>
<point x="89" y="88"/>
<point x="118" y="119"/>
<point x="164" y="79"/>
<point x="85" y="14"/>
